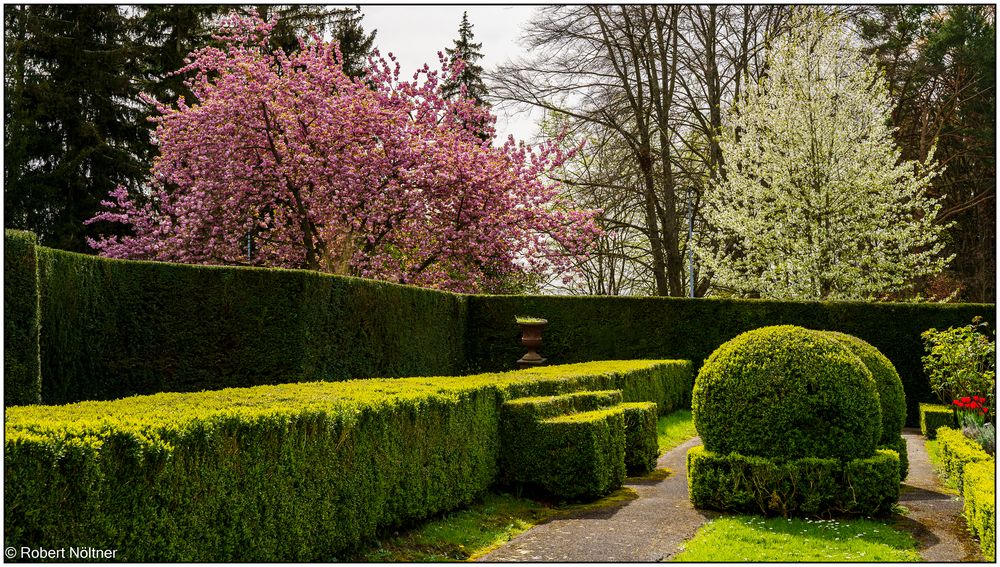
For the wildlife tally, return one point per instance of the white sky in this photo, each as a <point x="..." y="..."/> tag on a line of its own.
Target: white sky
<point x="415" y="34"/>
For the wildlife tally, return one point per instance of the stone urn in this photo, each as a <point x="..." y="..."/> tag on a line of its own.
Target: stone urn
<point x="531" y="338"/>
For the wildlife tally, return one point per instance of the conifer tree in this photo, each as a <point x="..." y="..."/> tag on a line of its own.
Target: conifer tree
<point x="471" y="76"/>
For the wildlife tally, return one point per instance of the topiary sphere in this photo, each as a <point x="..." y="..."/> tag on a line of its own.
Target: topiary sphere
<point x="786" y="392"/>
<point x="890" y="388"/>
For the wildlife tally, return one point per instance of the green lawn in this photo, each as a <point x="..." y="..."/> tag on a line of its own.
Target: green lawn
<point x="674" y="429"/>
<point x="752" y="538"/>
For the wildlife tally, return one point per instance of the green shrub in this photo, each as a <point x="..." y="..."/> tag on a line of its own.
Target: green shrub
<point x="800" y="487"/>
<point x="956" y="452"/>
<point x="603" y="328"/>
<point x="113" y="328"/>
<point x="899" y="446"/>
<point x="786" y="393"/>
<point x="934" y="417"/>
<point x="519" y="461"/>
<point x="290" y="472"/>
<point x="961" y="362"/>
<point x="641" y="448"/>
<point x="584" y="454"/>
<point x="979" y="493"/>
<point x="892" y="400"/>
<point x="22" y="378"/>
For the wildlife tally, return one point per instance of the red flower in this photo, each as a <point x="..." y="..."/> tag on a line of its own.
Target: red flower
<point x="966" y="399"/>
<point x="957" y="403"/>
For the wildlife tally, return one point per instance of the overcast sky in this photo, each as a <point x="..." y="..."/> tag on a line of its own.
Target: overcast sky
<point x="415" y="34"/>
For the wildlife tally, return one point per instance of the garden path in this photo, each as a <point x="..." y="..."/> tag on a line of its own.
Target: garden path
<point x="934" y="514"/>
<point x="648" y="528"/>
<point x="641" y="531"/>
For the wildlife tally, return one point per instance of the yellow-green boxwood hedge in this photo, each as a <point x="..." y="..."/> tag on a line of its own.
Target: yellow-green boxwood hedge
<point x="800" y="487"/>
<point x="956" y="452"/>
<point x="290" y="472"/>
<point x="979" y="494"/>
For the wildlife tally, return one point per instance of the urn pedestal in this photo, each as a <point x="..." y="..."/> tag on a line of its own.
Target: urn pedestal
<point x="531" y="338"/>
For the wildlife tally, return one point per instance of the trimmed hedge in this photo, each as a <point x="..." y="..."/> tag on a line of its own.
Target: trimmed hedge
<point x="113" y="328"/>
<point x="584" y="454"/>
<point x="980" y="505"/>
<point x="957" y="451"/>
<point x="22" y="375"/>
<point x="603" y="328"/>
<point x="891" y="398"/>
<point x="899" y="446"/>
<point x="786" y="392"/>
<point x="291" y="472"/>
<point x="934" y="417"/>
<point x="800" y="487"/>
<point x="641" y="444"/>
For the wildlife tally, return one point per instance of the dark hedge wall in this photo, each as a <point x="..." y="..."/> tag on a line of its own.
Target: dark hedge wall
<point x="609" y="328"/>
<point x="114" y="328"/>
<point x="22" y="381"/>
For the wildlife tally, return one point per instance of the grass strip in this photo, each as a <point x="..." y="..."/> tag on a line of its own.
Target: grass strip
<point x="756" y="539"/>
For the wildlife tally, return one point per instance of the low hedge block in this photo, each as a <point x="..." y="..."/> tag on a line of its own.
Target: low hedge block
<point x="800" y="487"/>
<point x="519" y="428"/>
<point x="290" y="472"/>
<point x="934" y="416"/>
<point x="957" y="451"/>
<point x="641" y="445"/>
<point x="899" y="446"/>
<point x="584" y="453"/>
<point x="979" y="493"/>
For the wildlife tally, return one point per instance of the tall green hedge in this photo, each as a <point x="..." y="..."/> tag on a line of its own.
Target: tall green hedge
<point x="114" y="328"/>
<point x="22" y="377"/>
<point x="604" y="328"/>
<point x="290" y="472"/>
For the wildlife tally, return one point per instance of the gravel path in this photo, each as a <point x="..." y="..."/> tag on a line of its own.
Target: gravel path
<point x="648" y="528"/>
<point x="651" y="527"/>
<point x="934" y="515"/>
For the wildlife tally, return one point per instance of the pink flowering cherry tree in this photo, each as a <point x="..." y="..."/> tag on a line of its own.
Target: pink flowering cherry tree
<point x="379" y="178"/>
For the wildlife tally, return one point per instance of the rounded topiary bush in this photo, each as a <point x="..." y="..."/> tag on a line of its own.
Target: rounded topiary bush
<point x="787" y="392"/>
<point x="890" y="388"/>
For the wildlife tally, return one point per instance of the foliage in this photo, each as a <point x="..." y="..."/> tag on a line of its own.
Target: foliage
<point x="816" y="203"/>
<point x="380" y="178"/>
<point x="641" y="447"/>
<point x="935" y="416"/>
<point x="584" y="454"/>
<point x="72" y="130"/>
<point x="520" y="319"/>
<point x="602" y="328"/>
<point x="674" y="429"/>
<point x="891" y="397"/>
<point x="940" y="64"/>
<point x="22" y="379"/>
<point x="287" y="472"/>
<point x="752" y="539"/>
<point x="786" y="392"/>
<point x="113" y="328"/>
<point x="956" y="452"/>
<point x="538" y="435"/>
<point x="806" y="486"/>
<point x="984" y="434"/>
<point x="980" y="504"/>
<point x="961" y="362"/>
<point x="468" y="82"/>
<point x="898" y="444"/>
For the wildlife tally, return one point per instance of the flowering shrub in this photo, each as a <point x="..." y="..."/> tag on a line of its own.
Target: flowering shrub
<point x="960" y="364"/>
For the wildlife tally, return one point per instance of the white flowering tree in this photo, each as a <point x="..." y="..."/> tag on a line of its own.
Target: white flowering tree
<point x="816" y="203"/>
